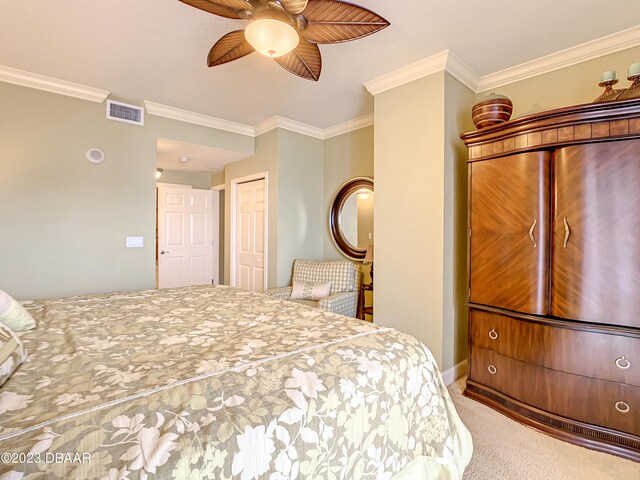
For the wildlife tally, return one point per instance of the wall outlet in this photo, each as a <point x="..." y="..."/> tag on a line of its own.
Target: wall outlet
<point x="135" y="242"/>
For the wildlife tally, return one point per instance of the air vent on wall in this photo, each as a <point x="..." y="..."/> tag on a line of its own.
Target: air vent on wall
<point x="123" y="112"/>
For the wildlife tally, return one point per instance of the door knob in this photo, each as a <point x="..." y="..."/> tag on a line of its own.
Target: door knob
<point x="162" y="252"/>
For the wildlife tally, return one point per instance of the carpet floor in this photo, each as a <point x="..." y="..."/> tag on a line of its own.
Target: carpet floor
<point x="506" y="450"/>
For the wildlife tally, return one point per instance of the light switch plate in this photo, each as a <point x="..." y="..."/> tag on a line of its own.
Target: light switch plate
<point x="135" y="242"/>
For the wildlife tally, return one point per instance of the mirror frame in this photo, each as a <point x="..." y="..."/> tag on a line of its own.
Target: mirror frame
<point x="349" y="187"/>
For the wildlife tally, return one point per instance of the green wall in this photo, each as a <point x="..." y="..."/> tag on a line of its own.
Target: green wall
<point x="304" y="174"/>
<point x="64" y="220"/>
<point x="345" y="156"/>
<point x="198" y="180"/>
<point x="264" y="160"/>
<point x="294" y="165"/>
<point x="300" y="219"/>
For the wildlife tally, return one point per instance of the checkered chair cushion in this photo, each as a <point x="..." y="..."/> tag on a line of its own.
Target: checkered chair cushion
<point x="345" y="303"/>
<point x="343" y="275"/>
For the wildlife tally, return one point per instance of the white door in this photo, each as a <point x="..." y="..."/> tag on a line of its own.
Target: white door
<point x="185" y="247"/>
<point x="250" y="235"/>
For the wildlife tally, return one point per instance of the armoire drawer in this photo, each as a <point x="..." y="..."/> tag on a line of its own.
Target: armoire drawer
<point x="598" y="402"/>
<point x="600" y="355"/>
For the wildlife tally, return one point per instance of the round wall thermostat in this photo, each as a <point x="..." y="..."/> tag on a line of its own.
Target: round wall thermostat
<point x="95" y="155"/>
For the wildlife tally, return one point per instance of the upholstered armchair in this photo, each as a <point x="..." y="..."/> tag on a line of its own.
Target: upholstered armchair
<point x="343" y="275"/>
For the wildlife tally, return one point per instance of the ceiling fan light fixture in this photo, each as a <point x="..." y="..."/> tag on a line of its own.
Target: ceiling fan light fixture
<point x="271" y="37"/>
<point x="288" y="31"/>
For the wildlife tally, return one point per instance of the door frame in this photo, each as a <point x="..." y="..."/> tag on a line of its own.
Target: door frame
<point x="232" y="237"/>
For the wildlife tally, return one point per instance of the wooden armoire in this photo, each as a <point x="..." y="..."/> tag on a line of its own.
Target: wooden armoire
<point x="554" y="273"/>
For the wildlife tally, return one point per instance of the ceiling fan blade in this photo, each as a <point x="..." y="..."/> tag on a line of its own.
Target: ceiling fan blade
<point x="305" y="61"/>
<point x="222" y="8"/>
<point x="334" y="21"/>
<point x="294" y="6"/>
<point x="230" y="47"/>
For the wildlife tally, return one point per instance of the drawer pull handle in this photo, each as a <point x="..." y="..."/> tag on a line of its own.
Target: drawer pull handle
<point x="493" y="335"/>
<point x="493" y="370"/>
<point x="533" y="239"/>
<point x="567" y="232"/>
<point x="622" y="363"/>
<point x="622" y="407"/>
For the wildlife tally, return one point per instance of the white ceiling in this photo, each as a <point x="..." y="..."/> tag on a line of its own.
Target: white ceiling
<point x="156" y="50"/>
<point x="202" y="158"/>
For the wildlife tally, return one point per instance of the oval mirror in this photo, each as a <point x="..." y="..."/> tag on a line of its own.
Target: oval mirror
<point x="351" y="217"/>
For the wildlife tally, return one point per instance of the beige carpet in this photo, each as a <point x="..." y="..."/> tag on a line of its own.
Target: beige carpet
<point x="506" y="450"/>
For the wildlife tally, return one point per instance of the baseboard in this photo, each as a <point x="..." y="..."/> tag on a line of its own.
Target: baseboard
<point x="454" y="373"/>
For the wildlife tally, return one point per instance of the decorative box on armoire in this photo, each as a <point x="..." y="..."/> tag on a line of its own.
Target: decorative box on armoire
<point x="554" y="273"/>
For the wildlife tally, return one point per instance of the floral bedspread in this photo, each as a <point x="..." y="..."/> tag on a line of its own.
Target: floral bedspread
<point x="215" y="382"/>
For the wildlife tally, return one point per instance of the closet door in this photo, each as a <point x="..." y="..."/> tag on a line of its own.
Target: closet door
<point x="509" y="234"/>
<point x="596" y="239"/>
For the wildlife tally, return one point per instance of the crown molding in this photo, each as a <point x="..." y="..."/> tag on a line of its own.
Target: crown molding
<point x="311" y="131"/>
<point x="52" y="85"/>
<point x="446" y="60"/>
<point x="422" y="68"/>
<point x="564" y="58"/>
<point x="459" y="70"/>
<point x="83" y="92"/>
<point x="166" y="111"/>
<point x="288" y="124"/>
<point x="265" y="126"/>
<point x="349" y="126"/>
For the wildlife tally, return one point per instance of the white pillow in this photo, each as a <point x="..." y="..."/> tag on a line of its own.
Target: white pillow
<point x="309" y="290"/>
<point x="14" y="315"/>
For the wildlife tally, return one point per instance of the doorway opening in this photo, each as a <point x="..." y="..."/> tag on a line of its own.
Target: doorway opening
<point x="190" y="213"/>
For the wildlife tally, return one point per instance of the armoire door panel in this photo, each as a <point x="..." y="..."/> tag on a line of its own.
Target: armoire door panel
<point x="596" y="233"/>
<point x="509" y="244"/>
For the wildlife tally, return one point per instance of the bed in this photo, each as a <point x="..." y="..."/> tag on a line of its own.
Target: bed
<point x="215" y="382"/>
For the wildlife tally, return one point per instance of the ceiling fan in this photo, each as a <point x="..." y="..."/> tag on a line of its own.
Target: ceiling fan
<point x="288" y="30"/>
